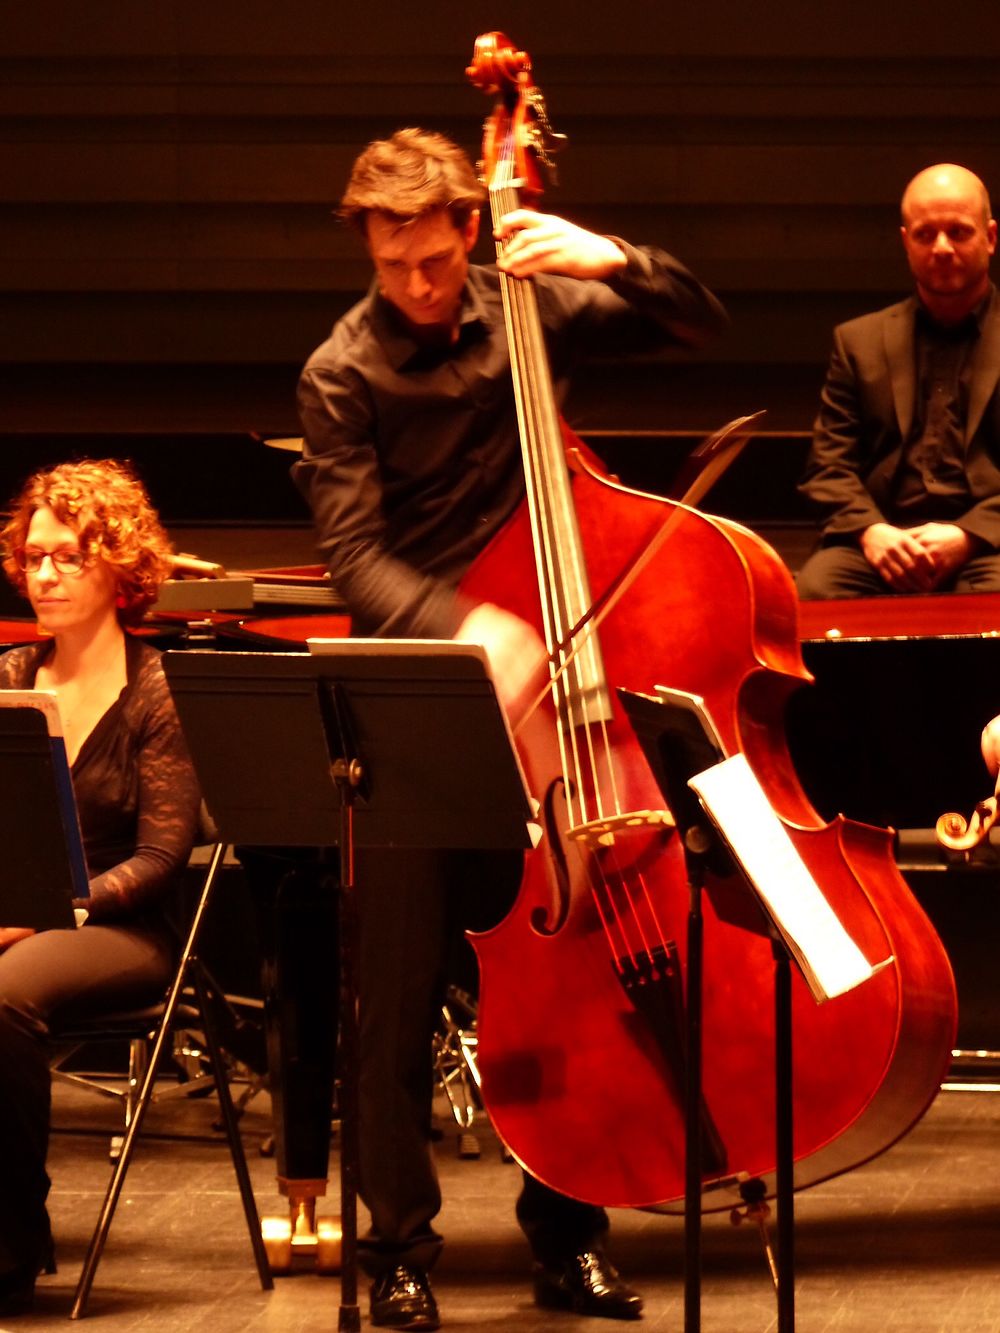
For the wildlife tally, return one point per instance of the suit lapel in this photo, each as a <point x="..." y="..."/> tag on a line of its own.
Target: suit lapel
<point x="986" y="368"/>
<point x="899" y="355"/>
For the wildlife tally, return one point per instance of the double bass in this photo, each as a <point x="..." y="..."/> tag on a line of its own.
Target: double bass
<point x="581" y="1045"/>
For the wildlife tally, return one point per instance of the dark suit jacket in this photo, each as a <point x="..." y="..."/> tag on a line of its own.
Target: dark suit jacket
<point x="865" y="416"/>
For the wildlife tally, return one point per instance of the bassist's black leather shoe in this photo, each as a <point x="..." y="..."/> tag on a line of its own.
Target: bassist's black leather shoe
<point x="402" y="1298"/>
<point x="17" y="1286"/>
<point x="17" y="1291"/>
<point x="588" y="1284"/>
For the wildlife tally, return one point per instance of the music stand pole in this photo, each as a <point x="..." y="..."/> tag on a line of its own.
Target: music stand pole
<point x="695" y="846"/>
<point x="784" y="1152"/>
<point x="678" y="739"/>
<point x="346" y="774"/>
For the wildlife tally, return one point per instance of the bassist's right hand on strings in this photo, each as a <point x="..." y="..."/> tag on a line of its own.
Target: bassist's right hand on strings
<point x="516" y="653"/>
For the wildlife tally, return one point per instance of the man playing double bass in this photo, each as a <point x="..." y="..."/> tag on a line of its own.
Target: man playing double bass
<point x="411" y="465"/>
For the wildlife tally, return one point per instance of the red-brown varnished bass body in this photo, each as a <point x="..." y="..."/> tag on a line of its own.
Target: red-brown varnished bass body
<point x="573" y="1077"/>
<point x="581" y="1029"/>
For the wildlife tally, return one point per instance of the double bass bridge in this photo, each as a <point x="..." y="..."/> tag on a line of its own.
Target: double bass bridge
<point x="597" y="834"/>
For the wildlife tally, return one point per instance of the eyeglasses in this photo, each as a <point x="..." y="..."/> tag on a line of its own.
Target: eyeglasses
<point x="65" y="561"/>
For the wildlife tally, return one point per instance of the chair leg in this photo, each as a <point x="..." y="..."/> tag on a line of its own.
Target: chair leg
<point x="100" y="1236"/>
<point x="138" y="1051"/>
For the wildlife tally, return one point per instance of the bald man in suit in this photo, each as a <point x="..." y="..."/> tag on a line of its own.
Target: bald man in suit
<point x="905" y="461"/>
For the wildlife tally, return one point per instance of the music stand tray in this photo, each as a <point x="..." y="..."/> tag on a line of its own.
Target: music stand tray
<point x="422" y="718"/>
<point x="44" y="863"/>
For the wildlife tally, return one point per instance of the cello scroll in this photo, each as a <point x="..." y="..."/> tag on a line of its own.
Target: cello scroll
<point x="954" y="831"/>
<point x="959" y="834"/>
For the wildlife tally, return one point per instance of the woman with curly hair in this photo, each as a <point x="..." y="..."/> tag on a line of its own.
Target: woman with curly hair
<point x="85" y="546"/>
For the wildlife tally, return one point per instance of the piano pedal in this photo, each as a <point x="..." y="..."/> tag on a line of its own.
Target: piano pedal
<point x="300" y="1241"/>
<point x="468" y="1146"/>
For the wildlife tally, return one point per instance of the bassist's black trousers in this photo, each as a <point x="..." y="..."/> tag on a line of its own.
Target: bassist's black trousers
<point x="413" y="908"/>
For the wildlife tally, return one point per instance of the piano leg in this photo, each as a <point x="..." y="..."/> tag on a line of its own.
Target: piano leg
<point x="296" y="896"/>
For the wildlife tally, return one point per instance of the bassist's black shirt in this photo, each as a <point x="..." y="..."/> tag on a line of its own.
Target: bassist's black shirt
<point x="412" y="462"/>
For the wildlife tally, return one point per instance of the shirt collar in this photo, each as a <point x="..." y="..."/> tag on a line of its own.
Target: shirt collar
<point x="397" y="340"/>
<point x="972" y="323"/>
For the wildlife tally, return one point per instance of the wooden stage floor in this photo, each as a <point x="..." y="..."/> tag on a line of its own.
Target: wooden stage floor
<point x="910" y="1242"/>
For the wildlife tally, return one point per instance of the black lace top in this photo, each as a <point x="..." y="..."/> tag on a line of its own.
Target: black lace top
<point x="135" y="786"/>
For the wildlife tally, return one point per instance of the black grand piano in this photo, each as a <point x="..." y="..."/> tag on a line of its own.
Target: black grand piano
<point x="889" y="734"/>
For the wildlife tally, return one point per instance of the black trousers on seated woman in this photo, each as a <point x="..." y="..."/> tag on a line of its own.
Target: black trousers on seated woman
<point x="51" y="978"/>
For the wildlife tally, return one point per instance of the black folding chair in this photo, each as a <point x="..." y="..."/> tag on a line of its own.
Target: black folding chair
<point x="190" y="980"/>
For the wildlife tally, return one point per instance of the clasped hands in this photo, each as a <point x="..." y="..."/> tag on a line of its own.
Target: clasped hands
<point x="916" y="559"/>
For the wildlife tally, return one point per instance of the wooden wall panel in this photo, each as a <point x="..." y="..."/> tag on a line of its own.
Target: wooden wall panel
<point x="167" y="172"/>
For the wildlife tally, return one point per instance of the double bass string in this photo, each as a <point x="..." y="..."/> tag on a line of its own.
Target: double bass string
<point x="524" y="345"/>
<point x="546" y="469"/>
<point x="560" y="575"/>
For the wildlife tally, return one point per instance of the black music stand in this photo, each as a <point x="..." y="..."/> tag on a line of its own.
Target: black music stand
<point x="370" y="743"/>
<point x="44" y="864"/>
<point x="679" y="741"/>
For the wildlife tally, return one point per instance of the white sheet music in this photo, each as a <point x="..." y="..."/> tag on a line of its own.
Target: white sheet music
<point x="830" y="960"/>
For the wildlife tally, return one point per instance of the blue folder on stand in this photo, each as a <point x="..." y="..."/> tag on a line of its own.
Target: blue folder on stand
<point x="42" y="862"/>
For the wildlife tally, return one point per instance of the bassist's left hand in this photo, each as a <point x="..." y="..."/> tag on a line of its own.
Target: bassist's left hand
<point x="544" y="243"/>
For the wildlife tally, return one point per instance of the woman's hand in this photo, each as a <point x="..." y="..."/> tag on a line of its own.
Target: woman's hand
<point x="11" y="934"/>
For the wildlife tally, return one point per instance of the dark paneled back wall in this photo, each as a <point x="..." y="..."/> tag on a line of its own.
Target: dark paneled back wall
<point x="167" y="256"/>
